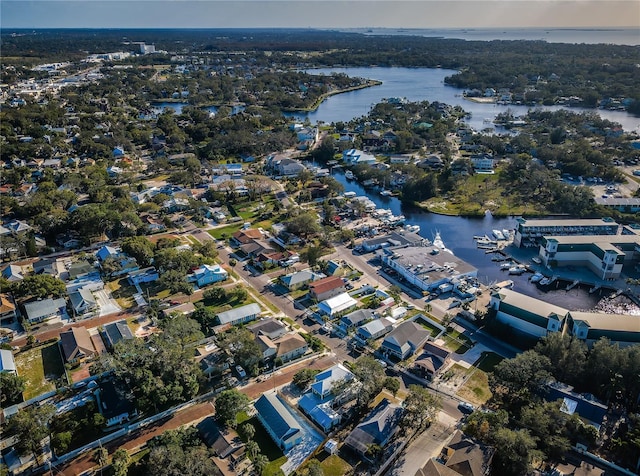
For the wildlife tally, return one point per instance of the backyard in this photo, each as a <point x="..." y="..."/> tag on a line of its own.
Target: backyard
<point x="41" y="367"/>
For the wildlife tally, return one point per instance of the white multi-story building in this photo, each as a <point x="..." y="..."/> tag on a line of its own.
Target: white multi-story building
<point x="529" y="232"/>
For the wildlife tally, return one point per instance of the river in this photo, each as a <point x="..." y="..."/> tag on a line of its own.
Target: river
<point x="457" y="234"/>
<point x="424" y="84"/>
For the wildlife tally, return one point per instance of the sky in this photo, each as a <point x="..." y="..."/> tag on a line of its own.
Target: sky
<point x="319" y="14"/>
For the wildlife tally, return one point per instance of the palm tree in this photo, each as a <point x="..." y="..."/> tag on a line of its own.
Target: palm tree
<point x="252" y="449"/>
<point x="101" y="456"/>
<point x="260" y="462"/>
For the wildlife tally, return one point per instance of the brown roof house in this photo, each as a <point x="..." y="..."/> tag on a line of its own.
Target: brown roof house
<point x="291" y="346"/>
<point x="76" y="344"/>
<point x="461" y="457"/>
<point x="326" y="288"/>
<point x="431" y="361"/>
<point x="242" y="237"/>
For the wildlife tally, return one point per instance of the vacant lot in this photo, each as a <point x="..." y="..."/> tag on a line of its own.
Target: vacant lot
<point x="40" y="367"/>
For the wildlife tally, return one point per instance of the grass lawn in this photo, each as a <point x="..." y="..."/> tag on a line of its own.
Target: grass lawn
<point x="434" y="330"/>
<point x="457" y="342"/>
<point x="123" y="293"/>
<point x="225" y="231"/>
<point x="40" y="367"/>
<point x="476" y="387"/>
<point x="488" y="361"/>
<point x="268" y="448"/>
<point x="333" y="465"/>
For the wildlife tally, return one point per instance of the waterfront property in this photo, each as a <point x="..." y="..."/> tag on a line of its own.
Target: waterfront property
<point x="529" y="232"/>
<point x="526" y="314"/>
<point x="394" y="238"/>
<point x="537" y="318"/>
<point x="239" y="315"/>
<point x="355" y="157"/>
<point x="604" y="255"/>
<point x="426" y="267"/>
<point x="278" y="420"/>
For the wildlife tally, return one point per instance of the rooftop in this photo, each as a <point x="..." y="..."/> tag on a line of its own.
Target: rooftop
<point x="238" y="313"/>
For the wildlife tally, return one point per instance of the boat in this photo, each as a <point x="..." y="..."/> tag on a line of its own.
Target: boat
<point x="536" y="260"/>
<point x="517" y="270"/>
<point x="505" y="284"/>
<point x="544" y="281"/>
<point x="506" y="266"/>
<point x="438" y="243"/>
<point x="386" y="193"/>
<point x="498" y="234"/>
<point x="506" y="233"/>
<point x="412" y="228"/>
<point x="536" y="277"/>
<point x="349" y="175"/>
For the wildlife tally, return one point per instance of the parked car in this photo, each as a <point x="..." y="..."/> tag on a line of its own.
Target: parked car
<point x="466" y="407"/>
<point x="240" y="371"/>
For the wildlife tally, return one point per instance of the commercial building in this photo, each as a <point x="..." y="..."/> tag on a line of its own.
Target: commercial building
<point x="536" y="318"/>
<point x="529" y="232"/>
<point x="426" y="267"/>
<point x="604" y="255"/>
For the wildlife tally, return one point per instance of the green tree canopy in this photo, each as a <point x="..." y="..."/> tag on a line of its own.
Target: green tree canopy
<point x="40" y="286"/>
<point x="228" y="404"/>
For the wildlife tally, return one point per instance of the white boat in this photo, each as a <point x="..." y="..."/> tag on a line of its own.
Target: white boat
<point x="438" y="243"/>
<point x="386" y="193"/>
<point x="506" y="266"/>
<point x="506" y="233"/>
<point x="498" y="234"/>
<point x="517" y="270"/>
<point x="412" y="228"/>
<point x="535" y="278"/>
<point x="349" y="175"/>
<point x="544" y="281"/>
<point x="536" y="260"/>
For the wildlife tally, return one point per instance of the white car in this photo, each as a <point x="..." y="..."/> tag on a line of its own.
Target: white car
<point x="240" y="371"/>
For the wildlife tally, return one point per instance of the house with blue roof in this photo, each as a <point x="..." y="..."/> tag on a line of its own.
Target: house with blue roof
<point x="107" y="252"/>
<point x="278" y="420"/>
<point x="586" y="406"/>
<point x="319" y="402"/>
<point x="208" y="274"/>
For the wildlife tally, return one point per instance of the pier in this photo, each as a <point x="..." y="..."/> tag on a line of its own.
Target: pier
<point x="572" y="285"/>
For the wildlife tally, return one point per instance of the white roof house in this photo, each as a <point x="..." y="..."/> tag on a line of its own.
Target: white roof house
<point x="7" y="363"/>
<point x="337" y="304"/>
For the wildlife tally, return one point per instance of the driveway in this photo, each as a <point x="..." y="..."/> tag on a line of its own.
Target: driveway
<point x="107" y="304"/>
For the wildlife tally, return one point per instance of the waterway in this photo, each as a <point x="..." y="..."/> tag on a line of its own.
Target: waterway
<point x="457" y="234"/>
<point x="425" y="84"/>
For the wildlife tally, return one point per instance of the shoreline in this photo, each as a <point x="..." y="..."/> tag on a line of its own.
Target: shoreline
<point x="370" y="83"/>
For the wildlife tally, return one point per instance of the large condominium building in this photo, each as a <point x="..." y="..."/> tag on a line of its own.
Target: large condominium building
<point x="529" y="232"/>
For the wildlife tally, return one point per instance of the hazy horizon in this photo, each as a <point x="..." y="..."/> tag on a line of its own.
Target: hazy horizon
<point x="328" y="14"/>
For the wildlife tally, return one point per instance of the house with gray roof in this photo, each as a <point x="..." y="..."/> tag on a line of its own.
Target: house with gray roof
<point x="278" y="420"/>
<point x="405" y="340"/>
<point x="354" y="319"/>
<point x="38" y="311"/>
<point x="116" y="332"/>
<point x="374" y="329"/>
<point x="239" y="315"/>
<point x="298" y="279"/>
<point x="82" y="301"/>
<point x="377" y="429"/>
<point x="7" y="362"/>
<point x="271" y="328"/>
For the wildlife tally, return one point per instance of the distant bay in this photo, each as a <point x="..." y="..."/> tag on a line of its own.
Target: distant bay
<point x="591" y="36"/>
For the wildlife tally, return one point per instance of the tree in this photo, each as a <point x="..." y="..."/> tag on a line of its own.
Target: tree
<point x="239" y="294"/>
<point x="40" y="286"/>
<point x="120" y="462"/>
<point x="392" y="384"/>
<point x="260" y="462"/>
<point x="567" y="355"/>
<point x="420" y="408"/>
<point x="303" y="378"/>
<point x="247" y="431"/>
<point x="314" y="468"/>
<point x="228" y="404"/>
<point x="515" y="380"/>
<point x="179" y="453"/>
<point x="214" y="295"/>
<point x="370" y="374"/>
<point x="515" y="450"/>
<point x="240" y="342"/>
<point x="176" y="282"/>
<point x="101" y="456"/>
<point x="303" y="225"/>
<point x="252" y="450"/>
<point x="183" y="329"/>
<point x="31" y="426"/>
<point x="61" y="442"/>
<point x="311" y="255"/>
<point x="12" y="387"/>
<point x="139" y="248"/>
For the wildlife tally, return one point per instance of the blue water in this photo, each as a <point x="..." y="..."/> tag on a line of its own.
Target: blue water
<point x="457" y="234"/>
<point x="424" y="84"/>
<point x="592" y="36"/>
